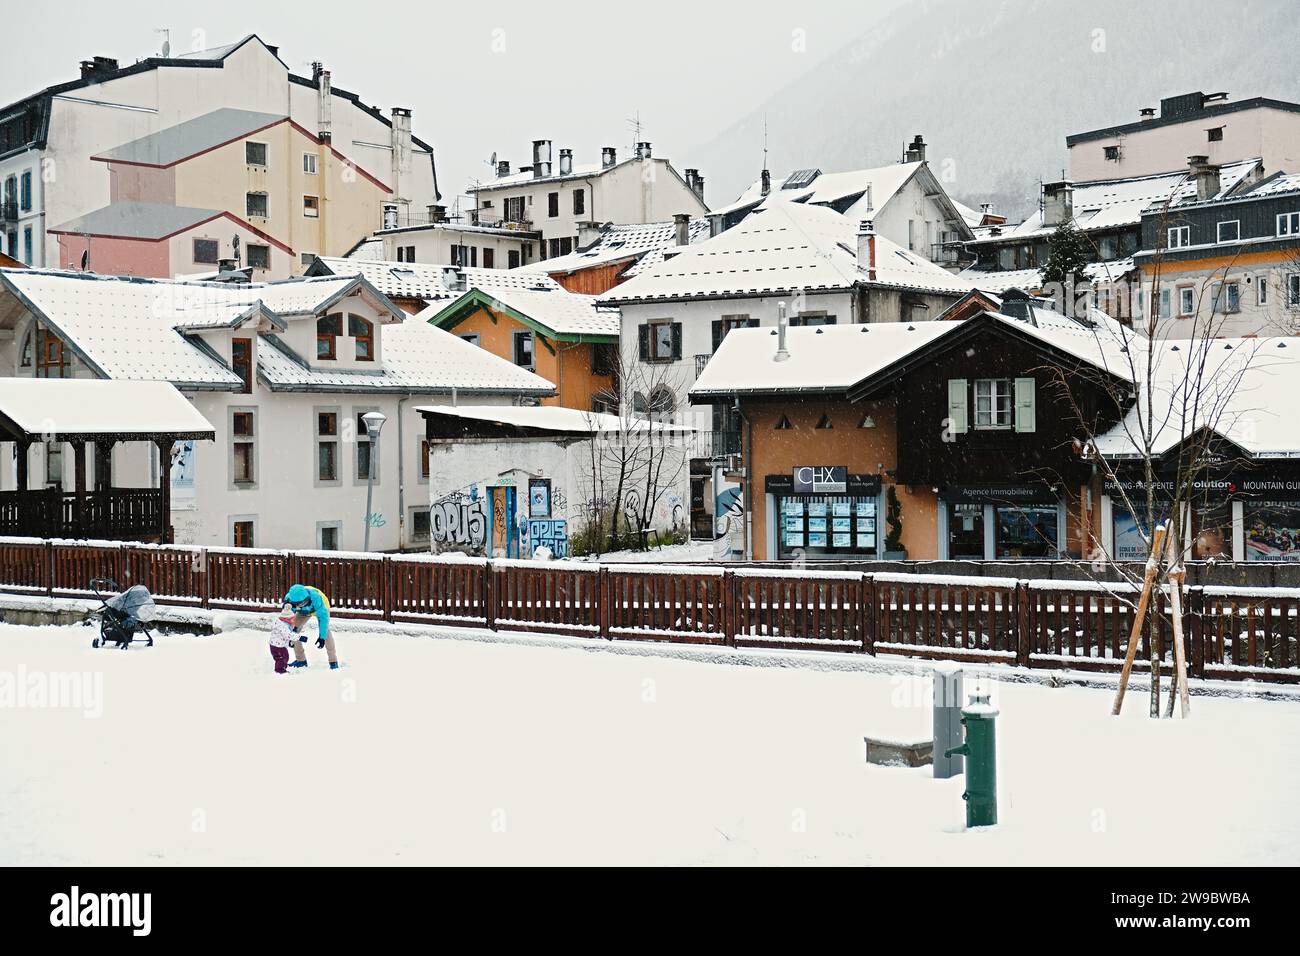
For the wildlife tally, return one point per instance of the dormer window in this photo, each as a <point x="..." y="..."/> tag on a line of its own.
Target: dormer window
<point x="328" y="330"/>
<point x="363" y="331"/>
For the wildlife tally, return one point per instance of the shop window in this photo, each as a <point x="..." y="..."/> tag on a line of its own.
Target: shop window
<point x="328" y="330"/>
<point x="826" y="526"/>
<point x="1212" y="531"/>
<point x="363" y="333"/>
<point x="1272" y="530"/>
<point x="1026" y="531"/>
<point x="965" y="531"/>
<point x="1132" y="529"/>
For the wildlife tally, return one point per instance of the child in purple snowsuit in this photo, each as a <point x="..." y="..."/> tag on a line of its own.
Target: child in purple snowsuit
<point x="282" y="638"/>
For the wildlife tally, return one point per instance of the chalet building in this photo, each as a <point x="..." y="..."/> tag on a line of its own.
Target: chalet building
<point x="964" y="421"/>
<point x="555" y="198"/>
<point x="414" y="286"/>
<point x="562" y="336"/>
<point x="228" y="129"/>
<point x="1190" y="124"/>
<point x="1225" y="265"/>
<point x="1108" y="213"/>
<point x="283" y="371"/>
<point x="611" y="254"/>
<point x="450" y="243"/>
<point x="906" y="201"/>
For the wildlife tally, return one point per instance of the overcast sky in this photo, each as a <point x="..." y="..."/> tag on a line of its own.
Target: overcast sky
<point x="489" y="77"/>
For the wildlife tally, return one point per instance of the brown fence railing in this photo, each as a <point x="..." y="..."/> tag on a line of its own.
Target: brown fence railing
<point x="1231" y="632"/>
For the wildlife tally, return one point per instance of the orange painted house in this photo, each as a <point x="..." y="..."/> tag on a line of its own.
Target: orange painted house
<point x="559" y="335"/>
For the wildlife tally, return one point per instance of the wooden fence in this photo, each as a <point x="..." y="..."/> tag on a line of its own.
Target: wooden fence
<point x="1234" y="633"/>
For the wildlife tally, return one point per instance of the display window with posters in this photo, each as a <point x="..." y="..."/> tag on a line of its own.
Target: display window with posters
<point x="834" y="516"/>
<point x="1272" y="530"/>
<point x="1001" y="522"/>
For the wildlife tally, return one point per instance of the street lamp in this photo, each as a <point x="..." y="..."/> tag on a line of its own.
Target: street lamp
<point x="374" y="422"/>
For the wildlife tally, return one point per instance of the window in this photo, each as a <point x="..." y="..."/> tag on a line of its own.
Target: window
<point x="604" y="358"/>
<point x="205" y="251"/>
<point x="512" y="259"/>
<point x="993" y="403"/>
<point x="255" y="205"/>
<point x="25" y="191"/>
<point x="561" y="247"/>
<point x="1164" y="304"/>
<point x="327" y="446"/>
<point x="241" y="361"/>
<point x="464" y="255"/>
<point x="524" y="349"/>
<point x="515" y="209"/>
<point x="1229" y="231"/>
<point x="410" y="253"/>
<point x="259" y="257"/>
<point x="1186" y="301"/>
<point x="811" y="318"/>
<point x="1226" y="297"/>
<point x="728" y="322"/>
<point x="662" y="403"/>
<point x="1179" y="236"/>
<point x="579" y="202"/>
<point x="660" y="341"/>
<point x="255" y="154"/>
<point x="241" y="533"/>
<point x="1111" y="153"/>
<point x="420" y="524"/>
<point x="1108" y="248"/>
<point x="1261" y="289"/>
<point x="243" y="439"/>
<point x="310" y="207"/>
<point x="27" y="244"/>
<point x="53" y="464"/>
<point x="552" y="204"/>
<point x="309" y="163"/>
<point x="307" y="258"/>
<point x="363" y="331"/>
<point x="489" y="258"/>
<point x="1214" y="135"/>
<point x="424" y="458"/>
<point x="51" y="357"/>
<point x="1288" y="224"/>
<point x="471" y="338"/>
<point x="1293" y="289"/>
<point x="365" y="459"/>
<point x="327" y="537"/>
<point x="328" y="330"/>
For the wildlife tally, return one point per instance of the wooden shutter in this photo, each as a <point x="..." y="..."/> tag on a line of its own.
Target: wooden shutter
<point x="1026" y="410"/>
<point x="957" y="402"/>
<point x="717" y="333"/>
<point x="677" y="340"/>
<point x="643" y="342"/>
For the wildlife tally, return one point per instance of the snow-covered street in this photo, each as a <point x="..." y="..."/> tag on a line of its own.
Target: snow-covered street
<point x="440" y="751"/>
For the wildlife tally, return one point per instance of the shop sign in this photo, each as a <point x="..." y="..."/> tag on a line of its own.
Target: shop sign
<point x="1000" y="494"/>
<point x="820" y="480"/>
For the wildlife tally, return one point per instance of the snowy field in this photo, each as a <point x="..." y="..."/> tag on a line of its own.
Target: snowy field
<point x="441" y="751"/>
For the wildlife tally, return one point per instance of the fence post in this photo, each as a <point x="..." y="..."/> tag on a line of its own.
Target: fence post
<point x="49" y="569"/>
<point x="387" y="586"/>
<point x="1193" y="623"/>
<point x="121" y="561"/>
<point x="490" y="595"/>
<point x="729" y="607"/>
<point x="602" y="602"/>
<point x="205" y="579"/>
<point x="868" y="598"/>
<point x="1022" y="623"/>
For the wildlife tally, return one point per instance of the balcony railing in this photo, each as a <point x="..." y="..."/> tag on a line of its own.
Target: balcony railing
<point x="946" y="253"/>
<point x="119" y="513"/>
<point x="9" y="211"/>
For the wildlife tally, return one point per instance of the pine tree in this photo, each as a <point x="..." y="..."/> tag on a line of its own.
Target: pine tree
<point x="1070" y="253"/>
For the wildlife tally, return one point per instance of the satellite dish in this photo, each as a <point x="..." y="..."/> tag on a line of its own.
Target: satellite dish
<point x="167" y="49"/>
<point x="85" y="260"/>
<point x="493" y="160"/>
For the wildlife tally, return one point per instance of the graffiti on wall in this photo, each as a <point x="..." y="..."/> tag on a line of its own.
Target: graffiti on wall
<point x="458" y="520"/>
<point x="550" y="533"/>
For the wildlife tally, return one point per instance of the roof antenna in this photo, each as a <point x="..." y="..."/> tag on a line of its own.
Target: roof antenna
<point x="167" y="41"/>
<point x="635" y="123"/>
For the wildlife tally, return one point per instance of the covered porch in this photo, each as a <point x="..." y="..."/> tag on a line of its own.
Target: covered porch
<point x="92" y="416"/>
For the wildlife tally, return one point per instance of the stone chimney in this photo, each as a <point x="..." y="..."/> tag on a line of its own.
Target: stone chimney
<point x="566" y="162"/>
<point x="324" y="103"/>
<point x="1058" y="202"/>
<point x="682" y="222"/>
<point x="696" y="182"/>
<point x="643" y="150"/>
<point x="503" y="168"/>
<point x="608" y="157"/>
<point x="401" y="150"/>
<point x="453" y="278"/>
<point x="589" y="234"/>
<point x="437" y="213"/>
<point x="1206" y="176"/>
<point x="867" y="249"/>
<point x="915" y="153"/>
<point x="766" y="180"/>
<point x="541" y="158"/>
<point x="98" y="67"/>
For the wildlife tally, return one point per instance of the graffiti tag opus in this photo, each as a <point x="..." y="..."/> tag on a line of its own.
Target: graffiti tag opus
<point x="458" y="520"/>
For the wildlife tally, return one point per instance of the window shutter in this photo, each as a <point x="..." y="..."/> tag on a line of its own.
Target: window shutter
<point x="1026" y="410"/>
<point x="643" y="342"/>
<point x="677" y="340"/>
<point x="717" y="333"/>
<point x="957" y="391"/>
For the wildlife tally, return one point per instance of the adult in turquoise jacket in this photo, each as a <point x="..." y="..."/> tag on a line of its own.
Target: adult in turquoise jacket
<point x="307" y="601"/>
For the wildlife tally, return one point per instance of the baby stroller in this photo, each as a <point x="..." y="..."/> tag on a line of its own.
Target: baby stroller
<point x="122" y="616"/>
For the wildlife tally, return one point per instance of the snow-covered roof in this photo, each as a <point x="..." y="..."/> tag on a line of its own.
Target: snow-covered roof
<point x="884" y="182"/>
<point x="783" y="248"/>
<point x="1112" y="203"/>
<point x="370" y="249"/>
<point x="555" y="312"/>
<point x="551" y="418"/>
<point x="645" y="242"/>
<point x="429" y="281"/>
<point x="1031" y="280"/>
<point x="67" y="407"/>
<point x="1277" y="184"/>
<point x="417" y="357"/>
<point x="824" y="358"/>
<point x="174" y="143"/>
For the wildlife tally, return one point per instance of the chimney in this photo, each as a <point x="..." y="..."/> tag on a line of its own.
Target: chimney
<point x="541" y="158"/>
<point x="401" y="149"/>
<point x="696" y="183"/>
<point x="99" y="67"/>
<point x="682" y="221"/>
<point x="589" y="234"/>
<point x="390" y="215"/>
<point x="608" y="157"/>
<point x="324" y="103"/>
<point x="453" y="278"/>
<point x="782" y="353"/>
<point x="1058" y="202"/>
<point x="1206" y="176"/>
<point x="867" y="249"/>
<point x="642" y="150"/>
<point x="1147" y="113"/>
<point x="766" y="180"/>
<point x="566" y="162"/>
<point x="437" y="213"/>
<point x="503" y="168"/>
<point x="916" y="151"/>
